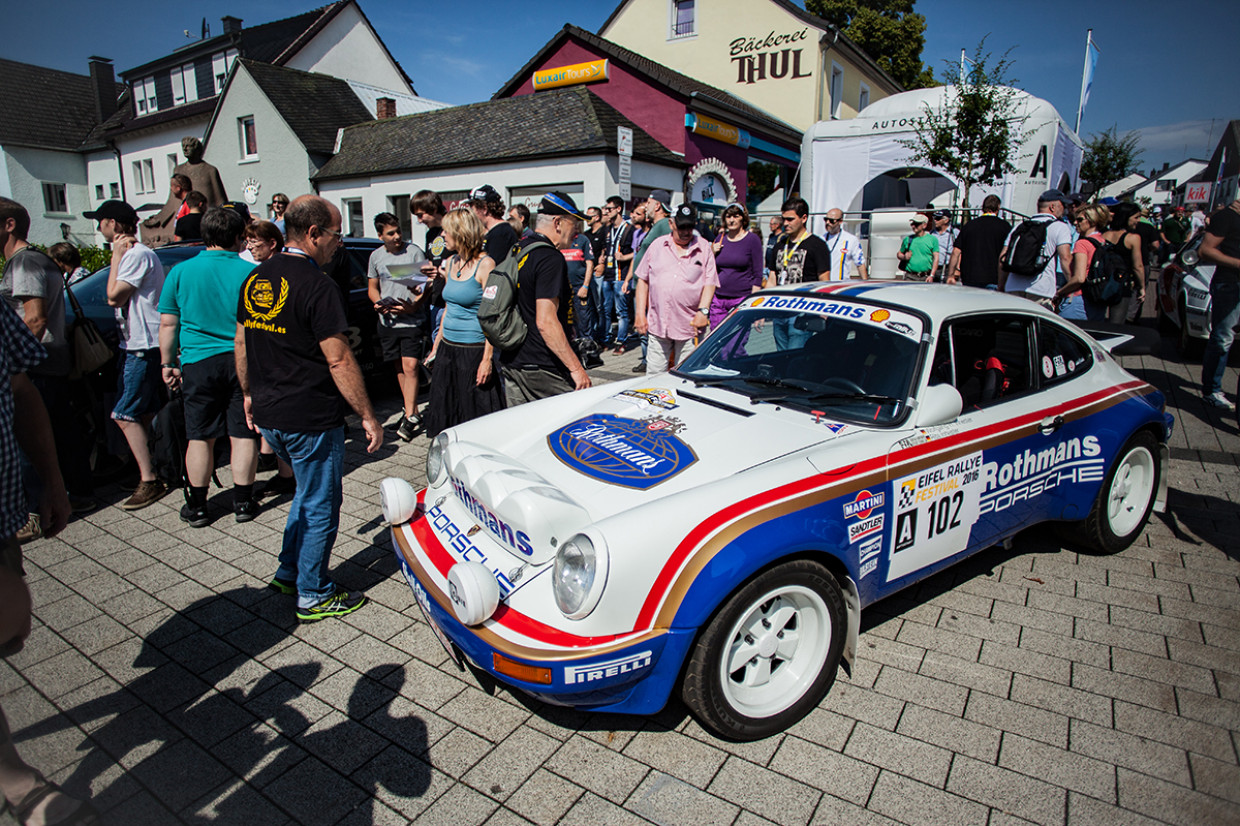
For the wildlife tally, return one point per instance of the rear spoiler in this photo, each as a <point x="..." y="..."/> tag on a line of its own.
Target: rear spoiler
<point x="1123" y="339"/>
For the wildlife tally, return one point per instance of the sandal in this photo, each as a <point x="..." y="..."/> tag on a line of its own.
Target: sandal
<point x="84" y="815"/>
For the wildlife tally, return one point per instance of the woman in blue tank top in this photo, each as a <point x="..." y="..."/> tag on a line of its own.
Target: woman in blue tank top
<point x="464" y="381"/>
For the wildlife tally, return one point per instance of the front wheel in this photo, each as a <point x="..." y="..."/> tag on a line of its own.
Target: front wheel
<point x="769" y="654"/>
<point x="1127" y="496"/>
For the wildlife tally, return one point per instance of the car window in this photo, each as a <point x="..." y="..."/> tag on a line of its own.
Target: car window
<point x="1063" y="355"/>
<point x="986" y="358"/>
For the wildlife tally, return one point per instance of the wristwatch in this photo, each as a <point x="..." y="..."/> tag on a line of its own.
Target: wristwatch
<point x="704" y="310"/>
<point x="173" y="366"/>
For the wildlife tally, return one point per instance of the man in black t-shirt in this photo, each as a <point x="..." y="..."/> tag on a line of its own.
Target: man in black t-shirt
<point x="1221" y="247"/>
<point x="975" y="255"/>
<point x="189" y="226"/>
<point x="297" y="371"/>
<point x="489" y="208"/>
<point x="545" y="364"/>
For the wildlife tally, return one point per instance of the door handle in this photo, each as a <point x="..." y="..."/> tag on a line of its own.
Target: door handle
<point x="1049" y="425"/>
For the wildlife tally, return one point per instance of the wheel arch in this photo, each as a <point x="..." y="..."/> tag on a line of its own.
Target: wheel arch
<point x="1159" y="435"/>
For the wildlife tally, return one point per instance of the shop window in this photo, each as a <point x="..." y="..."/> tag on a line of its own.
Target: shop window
<point x="683" y="18"/>
<point x="837" y="88"/>
<point x="55" y="199"/>
<point x="248" y="137"/>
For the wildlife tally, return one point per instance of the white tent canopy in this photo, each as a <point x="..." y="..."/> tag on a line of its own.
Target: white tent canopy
<point x="860" y="164"/>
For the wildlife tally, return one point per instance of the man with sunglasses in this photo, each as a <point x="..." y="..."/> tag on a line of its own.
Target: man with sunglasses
<point x="844" y="248"/>
<point x="545" y="364"/>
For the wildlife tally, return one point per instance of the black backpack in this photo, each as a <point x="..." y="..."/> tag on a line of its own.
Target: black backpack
<point x="1026" y="252"/>
<point x="1104" y="283"/>
<point x="498" y="314"/>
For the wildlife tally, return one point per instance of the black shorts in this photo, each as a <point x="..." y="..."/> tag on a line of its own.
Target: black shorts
<point x="214" y="405"/>
<point x="403" y="342"/>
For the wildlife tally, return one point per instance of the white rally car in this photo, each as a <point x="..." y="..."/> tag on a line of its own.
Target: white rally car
<point x="719" y="529"/>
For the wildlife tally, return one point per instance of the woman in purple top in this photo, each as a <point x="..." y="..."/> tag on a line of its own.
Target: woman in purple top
<point x="738" y="257"/>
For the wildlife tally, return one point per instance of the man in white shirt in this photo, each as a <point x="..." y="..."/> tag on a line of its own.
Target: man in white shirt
<point x="844" y="247"/>
<point x="1057" y="248"/>
<point x="946" y="233"/>
<point x="134" y="283"/>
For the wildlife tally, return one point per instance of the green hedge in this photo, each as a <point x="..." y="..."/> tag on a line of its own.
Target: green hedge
<point x="93" y="258"/>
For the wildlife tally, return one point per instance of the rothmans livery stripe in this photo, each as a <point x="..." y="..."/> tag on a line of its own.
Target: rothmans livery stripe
<point x="700" y="536"/>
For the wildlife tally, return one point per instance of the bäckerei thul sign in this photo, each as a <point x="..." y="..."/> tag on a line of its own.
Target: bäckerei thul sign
<point x="589" y="72"/>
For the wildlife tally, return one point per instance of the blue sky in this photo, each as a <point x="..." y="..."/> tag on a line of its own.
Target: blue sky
<point x="1167" y="70"/>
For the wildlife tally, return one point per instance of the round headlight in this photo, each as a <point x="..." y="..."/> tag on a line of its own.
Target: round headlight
<point x="434" y="460"/>
<point x="578" y="569"/>
<point x="399" y="500"/>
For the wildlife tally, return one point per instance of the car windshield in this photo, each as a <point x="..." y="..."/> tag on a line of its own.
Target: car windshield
<point x="844" y="359"/>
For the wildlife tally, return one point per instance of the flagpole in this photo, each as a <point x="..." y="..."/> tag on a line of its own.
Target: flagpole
<point x="962" y="65"/>
<point x="1089" y="37"/>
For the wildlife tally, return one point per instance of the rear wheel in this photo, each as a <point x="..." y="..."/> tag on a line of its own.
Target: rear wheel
<point x="769" y="654"/>
<point x="1127" y="496"/>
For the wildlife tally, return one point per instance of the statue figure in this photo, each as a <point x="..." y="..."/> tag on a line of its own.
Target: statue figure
<point x="158" y="229"/>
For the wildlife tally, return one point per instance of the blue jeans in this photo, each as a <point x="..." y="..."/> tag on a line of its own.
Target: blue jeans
<point x="314" y="515"/>
<point x="787" y="337"/>
<point x="1224" y="316"/>
<point x="614" y="302"/>
<point x="1076" y="308"/>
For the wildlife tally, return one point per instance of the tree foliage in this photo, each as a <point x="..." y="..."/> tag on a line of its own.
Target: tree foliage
<point x="1109" y="157"/>
<point x="976" y="132"/>
<point x="889" y="31"/>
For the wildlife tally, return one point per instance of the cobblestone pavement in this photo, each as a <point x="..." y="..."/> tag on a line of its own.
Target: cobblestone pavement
<point x="1028" y="685"/>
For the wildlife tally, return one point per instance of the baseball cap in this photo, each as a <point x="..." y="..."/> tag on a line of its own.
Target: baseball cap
<point x="663" y="197"/>
<point x="1076" y="198"/>
<point x="486" y="192"/>
<point x="116" y="210"/>
<point x="1054" y="195"/>
<point x="558" y="203"/>
<point x="686" y="215"/>
<point x="918" y="218"/>
<point x="238" y="207"/>
<point x="942" y="213"/>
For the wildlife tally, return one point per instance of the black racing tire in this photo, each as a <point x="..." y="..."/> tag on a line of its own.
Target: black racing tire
<point x="1123" y="505"/>
<point x="769" y="654"/>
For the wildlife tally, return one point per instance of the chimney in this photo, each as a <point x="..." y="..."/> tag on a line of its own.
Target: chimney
<point x="103" y="86"/>
<point x="385" y="108"/>
<point x="232" y="25"/>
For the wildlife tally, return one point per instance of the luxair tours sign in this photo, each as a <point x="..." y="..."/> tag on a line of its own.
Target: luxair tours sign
<point x="590" y="72"/>
<point x="771" y="57"/>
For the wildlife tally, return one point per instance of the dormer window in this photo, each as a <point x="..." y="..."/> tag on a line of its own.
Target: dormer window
<point x="220" y="64"/>
<point x="144" y="96"/>
<point x="184" y="85"/>
<point x="683" y="18"/>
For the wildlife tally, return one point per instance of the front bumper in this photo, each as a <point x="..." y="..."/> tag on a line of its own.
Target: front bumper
<point x="632" y="674"/>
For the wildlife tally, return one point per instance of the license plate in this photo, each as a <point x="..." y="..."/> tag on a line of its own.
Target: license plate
<point x="423" y="600"/>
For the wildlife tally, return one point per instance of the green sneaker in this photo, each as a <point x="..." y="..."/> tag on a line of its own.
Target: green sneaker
<point x="282" y="586"/>
<point x="337" y="605"/>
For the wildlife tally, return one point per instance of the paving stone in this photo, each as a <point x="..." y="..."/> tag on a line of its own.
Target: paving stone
<point x="592" y="810"/>
<point x="952" y="733"/>
<point x="61" y="674"/>
<point x="1092" y="653"/>
<point x="915" y="688"/>
<point x="832" y="810"/>
<point x="986" y="628"/>
<point x="1208" y="709"/>
<point x="597" y="768"/>
<point x="762" y="791"/>
<point x="1024" y="661"/>
<point x="666" y="800"/>
<point x="1049" y="621"/>
<point x="1086" y="811"/>
<point x="458" y="806"/>
<point x="1123" y="687"/>
<point x="756" y="751"/>
<point x="544" y="798"/>
<point x="1061" y="699"/>
<point x="401" y="781"/>
<point x="873" y="648"/>
<point x="1062" y="605"/>
<point x="1026" y="720"/>
<point x="179" y="773"/>
<point x="1008" y="791"/>
<point x="1163" y="670"/>
<point x="457" y="751"/>
<point x="1171" y="803"/>
<point x="901" y="754"/>
<point x="500" y="772"/>
<point x="825" y="728"/>
<point x="1058" y="767"/>
<point x="911" y="802"/>
<point x="851" y="778"/>
<point x="967" y="673"/>
<point x="487" y="716"/>
<point x="678" y="755"/>
<point x="1202" y="656"/>
<point x="1183" y="733"/>
<point x="943" y="640"/>
<point x="1119" y="636"/>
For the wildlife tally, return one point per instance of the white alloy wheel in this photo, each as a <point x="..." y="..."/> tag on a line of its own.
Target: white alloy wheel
<point x="775" y="651"/>
<point x="1131" y="491"/>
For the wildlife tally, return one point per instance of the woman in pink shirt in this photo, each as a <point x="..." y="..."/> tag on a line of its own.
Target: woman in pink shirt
<point x="1091" y="220"/>
<point x="676" y="282"/>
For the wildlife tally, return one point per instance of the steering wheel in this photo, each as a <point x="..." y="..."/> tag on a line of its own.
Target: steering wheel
<point x="846" y="384"/>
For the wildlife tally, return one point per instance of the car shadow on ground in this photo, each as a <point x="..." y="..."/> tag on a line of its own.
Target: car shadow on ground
<point x="1198" y="519"/>
<point x="209" y="700"/>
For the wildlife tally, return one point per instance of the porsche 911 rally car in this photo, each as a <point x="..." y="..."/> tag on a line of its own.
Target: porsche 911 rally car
<point x="718" y="530"/>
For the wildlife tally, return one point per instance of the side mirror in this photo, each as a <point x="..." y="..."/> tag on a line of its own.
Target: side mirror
<point x="941" y="404"/>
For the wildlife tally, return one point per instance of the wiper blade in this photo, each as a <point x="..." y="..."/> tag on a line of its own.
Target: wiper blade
<point x="860" y="397"/>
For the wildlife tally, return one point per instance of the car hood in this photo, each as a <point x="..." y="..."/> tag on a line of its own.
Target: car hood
<point x="556" y="466"/>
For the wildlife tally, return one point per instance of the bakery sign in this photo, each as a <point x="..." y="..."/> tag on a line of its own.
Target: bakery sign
<point x="589" y="72"/>
<point x="771" y="57"/>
